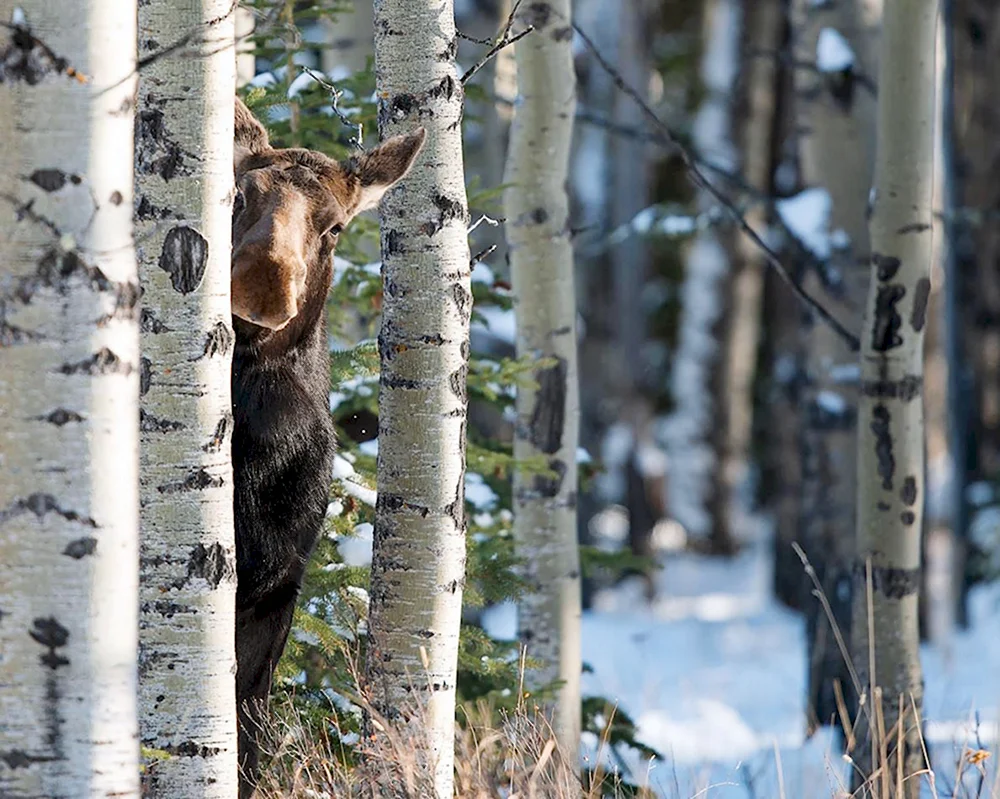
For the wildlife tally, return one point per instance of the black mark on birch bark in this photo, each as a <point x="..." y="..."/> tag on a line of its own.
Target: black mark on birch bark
<point x="548" y="485"/>
<point x="218" y="341"/>
<point x="890" y="582"/>
<point x="60" y="417"/>
<point x="549" y="414"/>
<point x="920" y="296"/>
<point x="190" y="749"/>
<point x="222" y="432"/>
<point x="886" y="266"/>
<point x="909" y="491"/>
<point x="52" y="179"/>
<point x="463" y="300"/>
<point x="536" y="216"/>
<point x="146" y="210"/>
<point x="885" y="329"/>
<point x="165" y="608"/>
<point x="102" y="362"/>
<point x="41" y="504"/>
<point x="149" y="323"/>
<point x="145" y="376"/>
<point x="81" y="547"/>
<point x="25" y="57"/>
<point x="53" y="636"/>
<point x="906" y="388"/>
<point x="907" y="517"/>
<point x="151" y="424"/>
<point x="156" y="152"/>
<point x="198" y="480"/>
<point x="458" y="381"/>
<point x="211" y="564"/>
<point x="883" y="445"/>
<point x="184" y="257"/>
<point x="913" y="227"/>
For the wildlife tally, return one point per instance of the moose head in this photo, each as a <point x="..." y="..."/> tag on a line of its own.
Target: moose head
<point x="290" y="206"/>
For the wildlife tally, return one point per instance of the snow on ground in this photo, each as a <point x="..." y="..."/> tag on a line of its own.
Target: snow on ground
<point x="714" y="675"/>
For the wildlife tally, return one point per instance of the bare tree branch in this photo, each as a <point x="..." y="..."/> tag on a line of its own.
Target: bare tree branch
<point x="701" y="181"/>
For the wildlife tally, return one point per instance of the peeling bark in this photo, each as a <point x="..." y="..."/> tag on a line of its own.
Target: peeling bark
<point x="184" y="168"/>
<point x="424" y="349"/>
<point x="891" y="430"/>
<point x="69" y="374"/>
<point x="541" y="261"/>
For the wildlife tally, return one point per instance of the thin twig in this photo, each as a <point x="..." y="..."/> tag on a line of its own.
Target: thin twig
<point x="505" y="42"/>
<point x="479" y="256"/>
<point x="702" y="182"/>
<point x="335" y="95"/>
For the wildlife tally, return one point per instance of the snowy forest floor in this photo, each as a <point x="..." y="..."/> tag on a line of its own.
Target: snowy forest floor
<point x="713" y="673"/>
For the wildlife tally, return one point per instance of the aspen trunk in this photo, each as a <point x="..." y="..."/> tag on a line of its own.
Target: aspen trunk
<point x="183" y="209"/>
<point x="536" y="207"/>
<point x="418" y="565"/>
<point x="835" y="114"/>
<point x="246" y="59"/>
<point x="891" y="429"/>
<point x="740" y="330"/>
<point x="69" y="375"/>
<point x="691" y="439"/>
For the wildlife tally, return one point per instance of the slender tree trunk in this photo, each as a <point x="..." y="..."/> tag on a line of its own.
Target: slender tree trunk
<point x="975" y="386"/>
<point x="349" y="35"/>
<point x="891" y="432"/>
<point x="977" y="94"/>
<point x="69" y="375"/>
<point x="246" y="60"/>
<point x="184" y="191"/>
<point x="836" y="122"/>
<point x="536" y="207"/>
<point x="691" y="440"/>
<point x="764" y="24"/>
<point x="418" y="565"/>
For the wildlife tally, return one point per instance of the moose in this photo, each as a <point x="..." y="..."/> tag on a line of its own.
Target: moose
<point x="289" y="208"/>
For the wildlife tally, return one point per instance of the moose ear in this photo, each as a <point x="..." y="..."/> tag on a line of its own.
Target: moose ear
<point x="383" y="167"/>
<point x="249" y="136"/>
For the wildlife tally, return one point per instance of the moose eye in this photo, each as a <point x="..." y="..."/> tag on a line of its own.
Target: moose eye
<point x="335" y="230"/>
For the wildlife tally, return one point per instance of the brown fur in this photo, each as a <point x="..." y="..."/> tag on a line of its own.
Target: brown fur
<point x="288" y="201"/>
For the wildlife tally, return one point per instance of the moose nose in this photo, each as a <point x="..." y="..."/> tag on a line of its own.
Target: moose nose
<point x="266" y="286"/>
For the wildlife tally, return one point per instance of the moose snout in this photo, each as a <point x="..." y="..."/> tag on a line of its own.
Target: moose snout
<point x="267" y="285"/>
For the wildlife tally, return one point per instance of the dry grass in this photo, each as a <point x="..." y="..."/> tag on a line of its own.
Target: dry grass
<point x="518" y="759"/>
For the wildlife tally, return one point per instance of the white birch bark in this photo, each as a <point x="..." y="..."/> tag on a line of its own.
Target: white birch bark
<point x="689" y="434"/>
<point x="418" y="566"/>
<point x="891" y="429"/>
<point x="183" y="208"/>
<point x="69" y="371"/>
<point x="835" y="116"/>
<point x="536" y="207"/>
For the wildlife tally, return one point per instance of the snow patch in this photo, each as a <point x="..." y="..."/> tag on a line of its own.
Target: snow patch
<point x="807" y="216"/>
<point x="833" y="51"/>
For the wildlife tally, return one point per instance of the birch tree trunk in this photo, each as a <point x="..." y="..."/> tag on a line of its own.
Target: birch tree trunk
<point x="740" y="330"/>
<point x="891" y="432"/>
<point x="184" y="192"/>
<point x="835" y="114"/>
<point x="69" y="373"/>
<point x="536" y="207"/>
<point x="690" y="436"/>
<point x="418" y="565"/>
